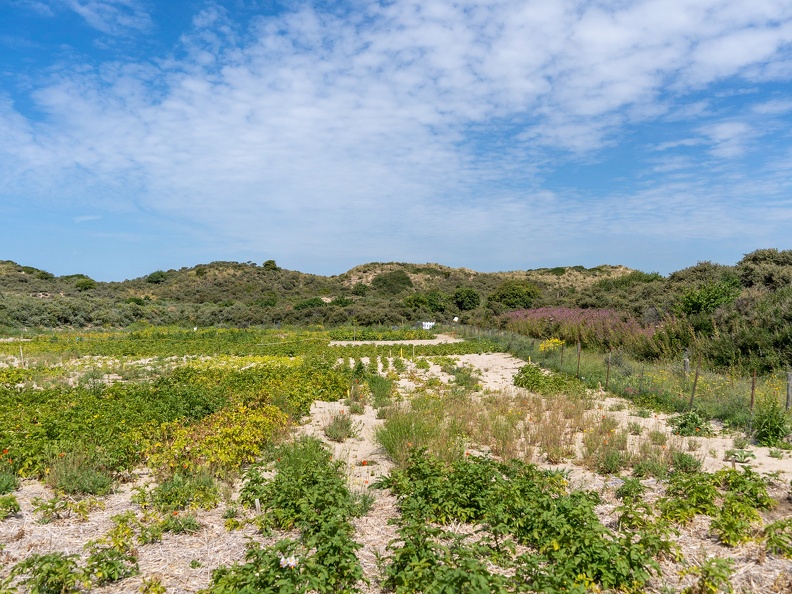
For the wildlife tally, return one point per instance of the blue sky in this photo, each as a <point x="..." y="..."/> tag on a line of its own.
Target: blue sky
<point x="497" y="135"/>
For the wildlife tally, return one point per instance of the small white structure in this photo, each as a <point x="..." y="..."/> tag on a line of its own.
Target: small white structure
<point x="427" y="325"/>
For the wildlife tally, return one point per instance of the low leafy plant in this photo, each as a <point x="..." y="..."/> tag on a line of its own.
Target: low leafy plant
<point x="658" y="437"/>
<point x="714" y="575"/>
<point x="52" y="573"/>
<point x="689" y="424"/>
<point x="8" y="506"/>
<point x="739" y="456"/>
<point x="778" y="537"/>
<point x="106" y="565"/>
<point x="631" y="489"/>
<point x="733" y="523"/>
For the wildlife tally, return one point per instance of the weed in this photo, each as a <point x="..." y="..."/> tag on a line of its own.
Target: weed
<point x="8" y="506"/>
<point x="776" y="453"/>
<point x="658" y="438"/>
<point x="180" y="524"/>
<point x="689" y="424"/>
<point x="341" y="426"/>
<point x="79" y="473"/>
<point x="635" y="428"/>
<point x="643" y="413"/>
<point x="381" y="390"/>
<point x="8" y="483"/>
<point x="771" y="424"/>
<point x="740" y="442"/>
<point x="181" y="491"/>
<point x="682" y="462"/>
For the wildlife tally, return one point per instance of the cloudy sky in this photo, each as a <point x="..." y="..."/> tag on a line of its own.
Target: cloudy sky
<point x="497" y="135"/>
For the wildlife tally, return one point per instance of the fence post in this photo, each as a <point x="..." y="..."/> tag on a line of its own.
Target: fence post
<point x="753" y="398"/>
<point x="607" y="372"/>
<point x="789" y="390"/>
<point x="578" y="362"/>
<point x="695" y="382"/>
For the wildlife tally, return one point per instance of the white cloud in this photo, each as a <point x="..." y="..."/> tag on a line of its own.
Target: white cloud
<point x="112" y="16"/>
<point x="728" y="139"/>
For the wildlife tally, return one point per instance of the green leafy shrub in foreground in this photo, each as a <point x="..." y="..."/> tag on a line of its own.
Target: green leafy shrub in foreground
<point x="513" y="501"/>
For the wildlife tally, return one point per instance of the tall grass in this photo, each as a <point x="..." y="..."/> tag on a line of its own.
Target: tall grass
<point x="666" y="385"/>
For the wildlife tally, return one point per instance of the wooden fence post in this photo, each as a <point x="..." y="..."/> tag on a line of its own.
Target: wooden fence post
<point x="789" y="390"/>
<point x="695" y="382"/>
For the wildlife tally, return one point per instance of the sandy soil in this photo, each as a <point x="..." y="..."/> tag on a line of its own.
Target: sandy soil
<point x="184" y="563"/>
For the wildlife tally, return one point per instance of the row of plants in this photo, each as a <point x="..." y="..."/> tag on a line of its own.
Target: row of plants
<point x="308" y="492"/>
<point x="512" y="503"/>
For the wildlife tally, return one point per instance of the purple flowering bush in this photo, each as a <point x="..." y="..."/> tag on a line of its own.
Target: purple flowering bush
<point x="595" y="328"/>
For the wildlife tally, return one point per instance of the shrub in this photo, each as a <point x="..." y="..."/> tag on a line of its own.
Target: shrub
<point x="392" y="283"/>
<point x="466" y="298"/>
<point x="85" y="284"/>
<point x="515" y="294"/>
<point x="157" y="277"/>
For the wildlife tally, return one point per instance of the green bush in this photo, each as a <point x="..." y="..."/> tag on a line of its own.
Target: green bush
<point x="515" y="294"/>
<point x="466" y="298"/>
<point x="157" y="277"/>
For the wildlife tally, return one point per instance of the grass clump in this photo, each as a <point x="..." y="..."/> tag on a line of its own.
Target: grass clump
<point x="78" y="473"/>
<point x="340" y="427"/>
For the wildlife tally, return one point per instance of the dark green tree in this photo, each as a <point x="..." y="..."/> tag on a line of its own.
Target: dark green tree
<point x="515" y="294"/>
<point x="466" y="298"/>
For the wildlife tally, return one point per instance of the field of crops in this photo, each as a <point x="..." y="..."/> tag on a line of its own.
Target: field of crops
<point x="220" y="461"/>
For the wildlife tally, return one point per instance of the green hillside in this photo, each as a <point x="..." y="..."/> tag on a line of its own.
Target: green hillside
<point x="732" y="315"/>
